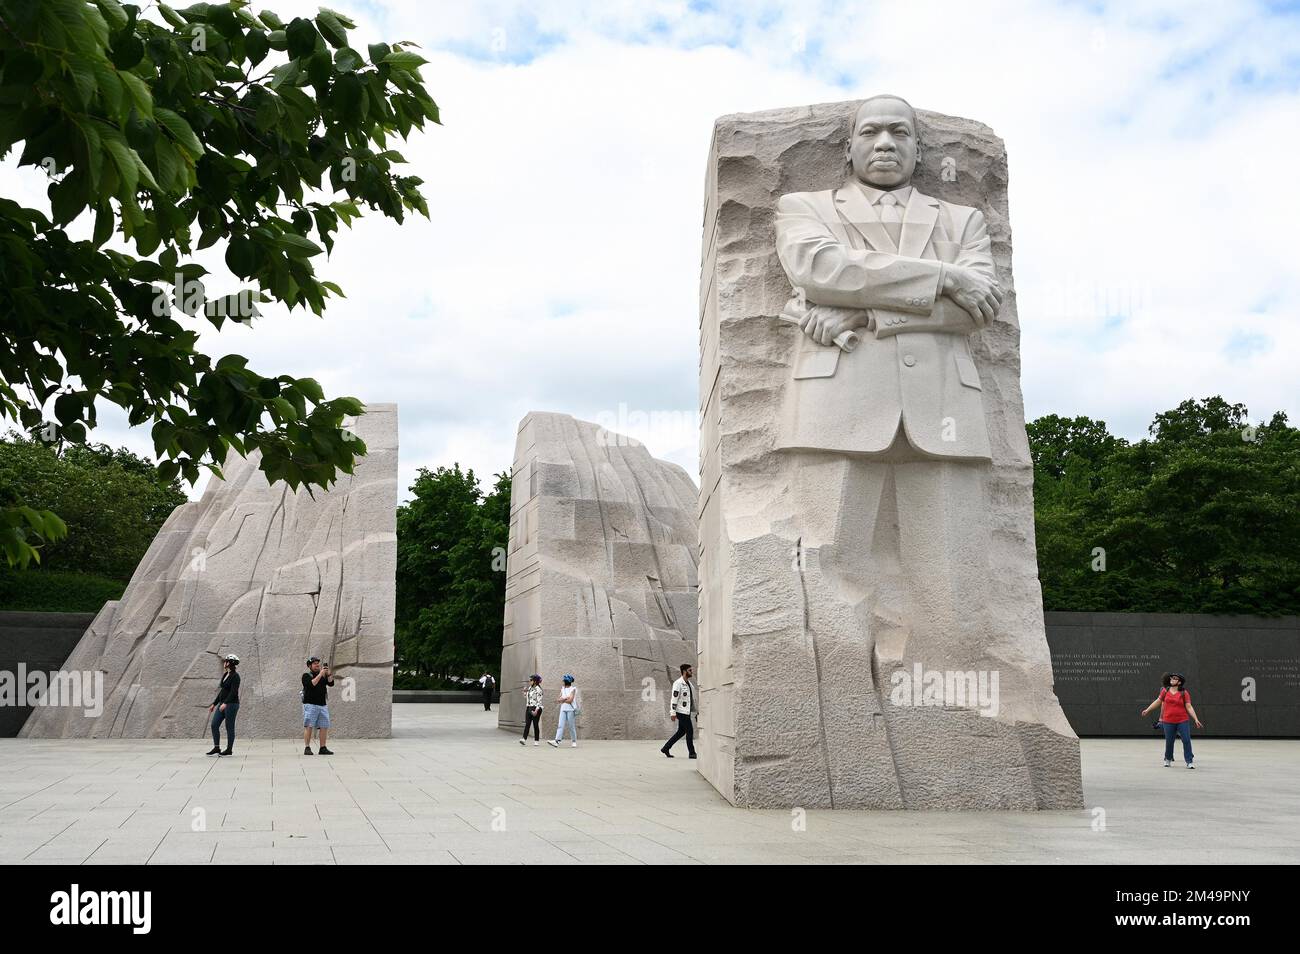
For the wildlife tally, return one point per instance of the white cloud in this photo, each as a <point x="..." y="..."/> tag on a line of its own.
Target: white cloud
<point x="1150" y="161"/>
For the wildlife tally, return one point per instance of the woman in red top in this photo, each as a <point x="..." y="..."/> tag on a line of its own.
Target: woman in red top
<point x="1176" y="716"/>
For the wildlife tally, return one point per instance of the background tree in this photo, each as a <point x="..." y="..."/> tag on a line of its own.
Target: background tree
<point x="113" y="505"/>
<point x="1203" y="517"/>
<point x="451" y="580"/>
<point x="213" y="125"/>
<point x="1061" y="446"/>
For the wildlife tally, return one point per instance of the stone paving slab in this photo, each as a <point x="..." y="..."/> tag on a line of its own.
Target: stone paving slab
<point x="449" y="788"/>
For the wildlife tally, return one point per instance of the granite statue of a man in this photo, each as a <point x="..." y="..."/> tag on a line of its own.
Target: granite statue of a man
<point x="877" y="255"/>
<point x="889" y="495"/>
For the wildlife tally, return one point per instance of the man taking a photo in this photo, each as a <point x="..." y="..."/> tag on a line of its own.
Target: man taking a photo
<point x="315" y="710"/>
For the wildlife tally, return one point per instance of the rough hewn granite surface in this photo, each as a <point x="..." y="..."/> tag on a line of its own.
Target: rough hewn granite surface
<point x="795" y="678"/>
<point x="271" y="575"/>
<point x="600" y="578"/>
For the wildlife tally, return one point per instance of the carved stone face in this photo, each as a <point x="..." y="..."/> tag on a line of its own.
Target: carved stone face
<point x="882" y="145"/>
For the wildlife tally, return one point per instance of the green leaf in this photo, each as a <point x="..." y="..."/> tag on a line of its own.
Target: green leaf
<point x="67" y="408"/>
<point x="319" y="69"/>
<point x="255" y="46"/>
<point x="141" y="98"/>
<point x="302" y="38"/>
<point x="145" y="173"/>
<point x="171" y="170"/>
<point x="126" y="52"/>
<point x="403" y="60"/>
<point x="125" y="161"/>
<point x="268" y="113"/>
<point x="111" y="91"/>
<point x="83" y="79"/>
<point x="113" y="13"/>
<point x="311" y="388"/>
<point x="348" y="60"/>
<point x="104" y="223"/>
<point x="297" y="246"/>
<point x="171" y="16"/>
<point x="180" y="130"/>
<point x="284" y="73"/>
<point x="69" y="197"/>
<point x="55" y="528"/>
<point x="241" y="257"/>
<point x="331" y="28"/>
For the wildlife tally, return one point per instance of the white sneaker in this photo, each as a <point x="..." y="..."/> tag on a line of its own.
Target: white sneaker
<point x="1190" y="765"/>
<point x="523" y="741"/>
<point x="537" y="743"/>
<point x="552" y="743"/>
<point x="1168" y="762"/>
<point x="575" y="745"/>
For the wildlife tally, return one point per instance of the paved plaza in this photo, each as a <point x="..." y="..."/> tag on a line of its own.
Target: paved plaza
<point x="450" y="788"/>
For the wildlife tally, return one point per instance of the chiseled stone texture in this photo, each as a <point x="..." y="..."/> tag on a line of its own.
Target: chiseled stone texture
<point x="600" y="578"/>
<point x="271" y="575"/>
<point x="795" y="679"/>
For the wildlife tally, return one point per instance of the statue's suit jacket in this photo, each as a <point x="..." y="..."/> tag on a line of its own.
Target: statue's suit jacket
<point x="915" y="366"/>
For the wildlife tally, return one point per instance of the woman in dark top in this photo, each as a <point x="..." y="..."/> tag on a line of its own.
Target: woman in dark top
<point x="226" y="706"/>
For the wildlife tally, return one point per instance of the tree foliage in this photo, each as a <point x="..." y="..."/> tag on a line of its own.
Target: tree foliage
<point x="114" y="507"/>
<point x="205" y="125"/>
<point x="451" y="580"/>
<point x="1203" y="517"/>
<point x="109" y="498"/>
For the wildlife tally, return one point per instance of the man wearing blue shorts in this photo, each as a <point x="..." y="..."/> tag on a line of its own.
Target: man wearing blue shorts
<point x="315" y="711"/>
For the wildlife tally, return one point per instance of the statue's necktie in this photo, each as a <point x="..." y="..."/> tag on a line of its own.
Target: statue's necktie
<point x="891" y="216"/>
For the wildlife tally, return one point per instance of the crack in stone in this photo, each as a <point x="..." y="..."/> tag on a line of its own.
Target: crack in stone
<point x="811" y="636"/>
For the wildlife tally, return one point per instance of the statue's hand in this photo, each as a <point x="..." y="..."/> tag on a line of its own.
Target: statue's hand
<point x="825" y="323"/>
<point x="973" y="290"/>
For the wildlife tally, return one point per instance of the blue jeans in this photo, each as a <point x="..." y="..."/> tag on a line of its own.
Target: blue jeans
<point x="566" y="718"/>
<point x="232" y="710"/>
<point x="1184" y="731"/>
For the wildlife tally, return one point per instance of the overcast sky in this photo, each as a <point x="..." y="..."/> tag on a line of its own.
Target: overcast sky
<point x="1154" y="199"/>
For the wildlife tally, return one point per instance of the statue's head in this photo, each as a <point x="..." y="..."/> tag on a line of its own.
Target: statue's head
<point x="882" y="147"/>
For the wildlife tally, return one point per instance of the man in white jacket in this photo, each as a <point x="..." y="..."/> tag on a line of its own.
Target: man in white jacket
<point x="684" y="707"/>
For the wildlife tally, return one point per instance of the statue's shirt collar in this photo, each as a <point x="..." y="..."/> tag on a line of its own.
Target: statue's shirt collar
<point x="903" y="195"/>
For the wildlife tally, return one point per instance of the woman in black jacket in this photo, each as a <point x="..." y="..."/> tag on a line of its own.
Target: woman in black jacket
<point x="226" y="706"/>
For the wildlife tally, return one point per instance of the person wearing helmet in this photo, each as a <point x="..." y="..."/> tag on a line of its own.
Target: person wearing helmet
<point x="569" y="708"/>
<point x="1176" y="715"/>
<point x="315" y="706"/>
<point x="225" y="707"/>
<point x="533" y="709"/>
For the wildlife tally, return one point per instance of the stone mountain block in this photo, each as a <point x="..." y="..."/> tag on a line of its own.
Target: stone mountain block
<point x="600" y="578"/>
<point x="271" y="575"/>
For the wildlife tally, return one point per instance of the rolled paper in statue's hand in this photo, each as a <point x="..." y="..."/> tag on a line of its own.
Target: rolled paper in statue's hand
<point x="796" y="310"/>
